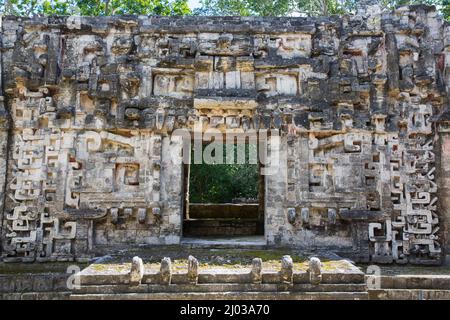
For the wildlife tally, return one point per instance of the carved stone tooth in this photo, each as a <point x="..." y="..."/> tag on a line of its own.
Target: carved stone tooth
<point x="114" y="215"/>
<point x="256" y="272"/>
<point x="291" y="215"/>
<point x="142" y="215"/>
<point x="137" y="271"/>
<point x="315" y="271"/>
<point x="192" y="273"/>
<point x="287" y="267"/>
<point x="165" y="271"/>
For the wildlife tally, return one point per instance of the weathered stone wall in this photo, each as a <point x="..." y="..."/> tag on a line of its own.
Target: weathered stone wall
<point x="4" y="125"/>
<point x="443" y="129"/>
<point x="94" y="101"/>
<point x="3" y="158"/>
<point x="374" y="169"/>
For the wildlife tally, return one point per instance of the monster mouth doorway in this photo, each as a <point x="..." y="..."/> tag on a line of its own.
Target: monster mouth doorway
<point x="223" y="199"/>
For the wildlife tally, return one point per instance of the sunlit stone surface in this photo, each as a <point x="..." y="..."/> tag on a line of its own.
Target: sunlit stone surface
<point x="89" y="106"/>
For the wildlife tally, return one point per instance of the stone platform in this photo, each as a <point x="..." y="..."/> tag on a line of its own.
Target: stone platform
<point x="244" y="242"/>
<point x="188" y="279"/>
<point x="225" y="273"/>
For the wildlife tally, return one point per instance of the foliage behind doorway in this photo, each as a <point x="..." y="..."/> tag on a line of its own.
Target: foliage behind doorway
<point x="225" y="183"/>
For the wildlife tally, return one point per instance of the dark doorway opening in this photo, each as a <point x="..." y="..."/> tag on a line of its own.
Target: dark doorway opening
<point x="224" y="198"/>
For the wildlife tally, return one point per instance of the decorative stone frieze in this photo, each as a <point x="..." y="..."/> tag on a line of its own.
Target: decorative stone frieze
<point x="360" y="103"/>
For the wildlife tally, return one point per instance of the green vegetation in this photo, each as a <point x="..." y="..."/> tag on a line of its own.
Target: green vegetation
<point x="208" y="7"/>
<point x="95" y="7"/>
<point x="244" y="8"/>
<point x="301" y="7"/>
<point x="221" y="183"/>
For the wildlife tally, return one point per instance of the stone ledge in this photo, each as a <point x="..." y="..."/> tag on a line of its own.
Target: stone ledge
<point x="415" y="282"/>
<point x="227" y="296"/>
<point x="33" y="283"/>
<point x="333" y="272"/>
<point x="408" y="294"/>
<point x="242" y="287"/>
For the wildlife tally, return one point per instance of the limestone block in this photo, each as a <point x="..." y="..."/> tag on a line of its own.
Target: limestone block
<point x="272" y="84"/>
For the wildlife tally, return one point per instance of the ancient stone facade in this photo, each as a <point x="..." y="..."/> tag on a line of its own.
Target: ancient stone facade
<point x="359" y="102"/>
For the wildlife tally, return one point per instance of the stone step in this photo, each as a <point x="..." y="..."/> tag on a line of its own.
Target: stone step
<point x="87" y="277"/>
<point x="144" y="288"/>
<point x="37" y="282"/>
<point x="408" y="294"/>
<point x="221" y="227"/>
<point x="248" y="243"/>
<point x="436" y="282"/>
<point x="36" y="295"/>
<point x="336" y="272"/>
<point x="226" y="296"/>
<point x="251" y="246"/>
